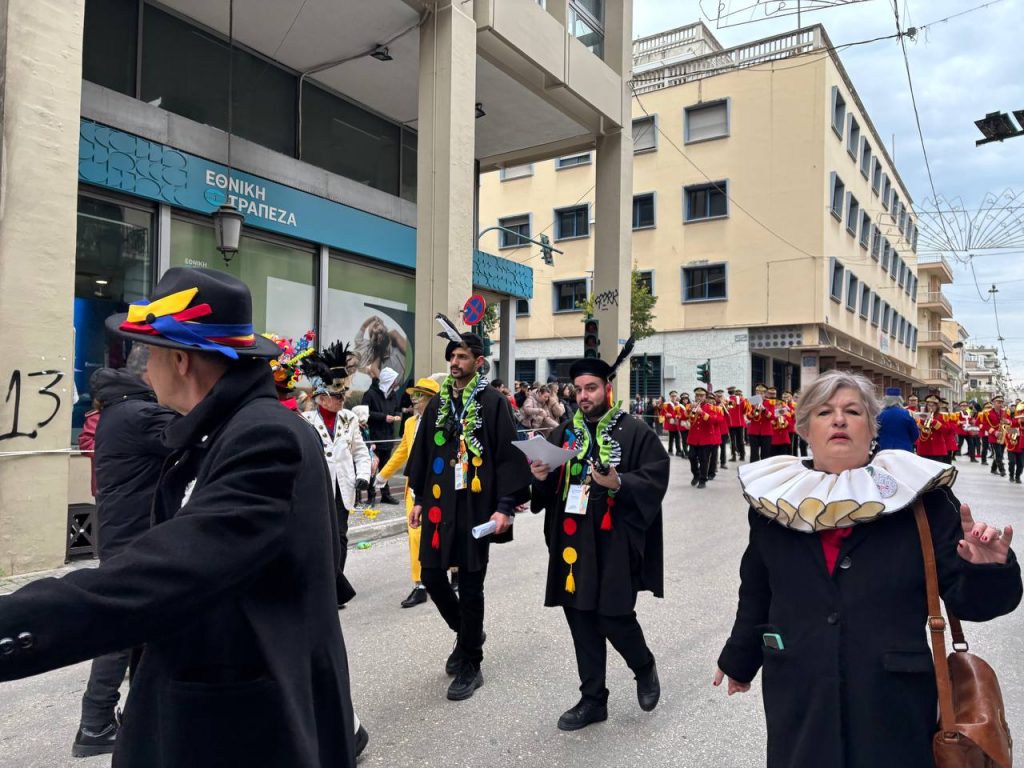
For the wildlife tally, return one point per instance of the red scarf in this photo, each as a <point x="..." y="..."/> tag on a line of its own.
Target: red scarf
<point x="831" y="541"/>
<point x="330" y="419"/>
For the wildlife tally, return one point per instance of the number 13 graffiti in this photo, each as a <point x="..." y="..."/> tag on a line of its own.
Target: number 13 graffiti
<point x="14" y="391"/>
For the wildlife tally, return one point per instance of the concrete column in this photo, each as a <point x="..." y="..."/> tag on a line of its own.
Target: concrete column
<point x="445" y="185"/>
<point x="613" y="200"/>
<point x="40" y="97"/>
<point x="507" y="340"/>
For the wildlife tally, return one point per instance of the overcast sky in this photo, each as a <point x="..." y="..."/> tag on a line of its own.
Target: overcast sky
<point x="962" y="69"/>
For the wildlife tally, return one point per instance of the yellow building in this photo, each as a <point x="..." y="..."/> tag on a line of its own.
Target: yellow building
<point x="768" y="219"/>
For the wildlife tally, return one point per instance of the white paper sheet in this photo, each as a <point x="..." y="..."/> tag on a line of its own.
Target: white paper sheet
<point x="539" y="449"/>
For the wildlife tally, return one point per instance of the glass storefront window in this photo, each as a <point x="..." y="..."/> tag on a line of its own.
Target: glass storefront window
<point x="113" y="267"/>
<point x="350" y="141"/>
<point x="185" y="71"/>
<point x="372" y="309"/>
<point x="281" y="276"/>
<point x="109" y="44"/>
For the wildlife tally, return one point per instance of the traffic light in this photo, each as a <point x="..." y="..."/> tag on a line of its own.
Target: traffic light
<point x="591" y="342"/>
<point x="545" y="249"/>
<point x="704" y="372"/>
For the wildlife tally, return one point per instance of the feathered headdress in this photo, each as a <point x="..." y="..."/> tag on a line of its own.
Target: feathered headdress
<point x="457" y="339"/>
<point x="329" y="369"/>
<point x="595" y="366"/>
<point x="286" y="366"/>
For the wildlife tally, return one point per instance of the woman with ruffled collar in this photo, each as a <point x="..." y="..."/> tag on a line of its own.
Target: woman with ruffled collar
<point x="832" y="604"/>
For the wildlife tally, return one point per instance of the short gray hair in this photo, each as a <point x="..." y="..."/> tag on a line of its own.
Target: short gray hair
<point x="138" y="359"/>
<point x="825" y="386"/>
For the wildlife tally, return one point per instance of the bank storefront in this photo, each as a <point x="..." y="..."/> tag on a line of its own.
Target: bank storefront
<point x="310" y="262"/>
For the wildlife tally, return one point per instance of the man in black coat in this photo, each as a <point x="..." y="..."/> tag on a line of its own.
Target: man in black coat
<point x="382" y="400"/>
<point x="128" y="455"/>
<point x="232" y="591"/>
<point x="604" y="534"/>
<point x="463" y="472"/>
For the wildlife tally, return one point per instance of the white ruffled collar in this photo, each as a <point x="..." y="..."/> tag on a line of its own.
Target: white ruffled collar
<point x="807" y="500"/>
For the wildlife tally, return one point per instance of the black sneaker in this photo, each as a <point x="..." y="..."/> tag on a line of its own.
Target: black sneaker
<point x="451" y="666"/>
<point x="416" y="597"/>
<point x="582" y="715"/>
<point x="702" y="484"/>
<point x="467" y="680"/>
<point x="89" y="742"/>
<point x="694" y="481"/>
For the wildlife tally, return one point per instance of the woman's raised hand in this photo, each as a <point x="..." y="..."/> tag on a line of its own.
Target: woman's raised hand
<point x="982" y="544"/>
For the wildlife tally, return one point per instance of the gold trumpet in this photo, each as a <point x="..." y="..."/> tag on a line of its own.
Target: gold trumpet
<point x="928" y="425"/>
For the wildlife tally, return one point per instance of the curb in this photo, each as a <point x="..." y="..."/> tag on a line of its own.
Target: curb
<point x="376" y="531"/>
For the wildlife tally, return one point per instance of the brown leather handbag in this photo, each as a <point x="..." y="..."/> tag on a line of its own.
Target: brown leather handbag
<point x="972" y="719"/>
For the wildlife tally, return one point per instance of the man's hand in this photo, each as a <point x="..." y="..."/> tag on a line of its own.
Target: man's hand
<point x="362" y="484"/>
<point x="503" y="521"/>
<point x="391" y="419"/>
<point x="539" y="470"/>
<point x="982" y="544"/>
<point x="734" y="686"/>
<point x="414" y="516"/>
<point x="611" y="481"/>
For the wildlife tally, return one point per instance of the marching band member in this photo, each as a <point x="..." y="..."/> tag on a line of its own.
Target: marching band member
<point x="703" y="436"/>
<point x="950" y="420"/>
<point x="723" y="406"/>
<point x="912" y="404"/>
<point x="782" y="421"/>
<point x="970" y="424"/>
<point x="995" y="420"/>
<point x="670" y="412"/>
<point x="737" y="421"/>
<point x="932" y="442"/>
<point x="760" y="430"/>
<point x="1014" y="442"/>
<point x="684" y="425"/>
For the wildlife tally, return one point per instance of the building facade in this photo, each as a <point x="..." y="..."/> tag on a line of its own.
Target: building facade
<point x="768" y="219"/>
<point x="350" y="134"/>
<point x="984" y="372"/>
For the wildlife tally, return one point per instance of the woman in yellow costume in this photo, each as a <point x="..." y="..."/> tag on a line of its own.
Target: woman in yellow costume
<point x="420" y="394"/>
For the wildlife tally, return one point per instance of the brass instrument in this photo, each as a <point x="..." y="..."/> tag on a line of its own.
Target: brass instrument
<point x="927" y="425"/>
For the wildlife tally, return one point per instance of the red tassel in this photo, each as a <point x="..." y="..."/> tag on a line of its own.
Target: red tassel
<point x="606" y="521"/>
<point x="435" y="542"/>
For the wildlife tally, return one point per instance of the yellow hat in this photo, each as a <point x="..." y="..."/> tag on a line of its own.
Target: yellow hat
<point x="424" y="386"/>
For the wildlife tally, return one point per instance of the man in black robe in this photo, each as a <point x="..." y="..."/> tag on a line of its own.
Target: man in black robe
<point x="463" y="472"/>
<point x="603" y="529"/>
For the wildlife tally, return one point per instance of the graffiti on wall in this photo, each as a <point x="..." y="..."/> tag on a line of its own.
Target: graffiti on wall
<point x="23" y="388"/>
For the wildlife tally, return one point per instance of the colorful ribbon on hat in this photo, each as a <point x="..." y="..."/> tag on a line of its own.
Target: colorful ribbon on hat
<point x="171" y="316"/>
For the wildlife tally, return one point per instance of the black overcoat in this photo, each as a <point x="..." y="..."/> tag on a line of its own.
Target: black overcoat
<point x="854" y="686"/>
<point x="232" y="595"/>
<point x="611" y="566"/>
<point x="504" y="474"/>
<point x="129" y="454"/>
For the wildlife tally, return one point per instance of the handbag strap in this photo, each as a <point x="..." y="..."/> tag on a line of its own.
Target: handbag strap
<point x="936" y="624"/>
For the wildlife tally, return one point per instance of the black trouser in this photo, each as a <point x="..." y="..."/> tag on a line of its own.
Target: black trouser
<point x="590" y="631"/>
<point x="972" y="446"/>
<point x="960" y="440"/>
<point x="464" y="613"/>
<point x="984" y="448"/>
<point x="760" y="447"/>
<point x="721" y="451"/>
<point x="103" y="689"/>
<point x="682" y="441"/>
<point x="736" y="440"/>
<point x="700" y="460"/>
<point x="342" y="528"/>
<point x="1016" y="459"/>
<point x="779" y="449"/>
<point x="712" y="461"/>
<point x="997" y="458"/>
<point x="798" y="446"/>
<point x="675" y="442"/>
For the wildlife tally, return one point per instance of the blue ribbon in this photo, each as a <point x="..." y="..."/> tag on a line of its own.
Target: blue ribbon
<point x="183" y="333"/>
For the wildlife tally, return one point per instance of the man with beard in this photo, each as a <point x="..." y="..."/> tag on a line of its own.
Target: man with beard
<point x="604" y="535"/>
<point x="464" y="472"/>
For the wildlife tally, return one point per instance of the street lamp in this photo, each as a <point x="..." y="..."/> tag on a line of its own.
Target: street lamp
<point x="227" y="226"/>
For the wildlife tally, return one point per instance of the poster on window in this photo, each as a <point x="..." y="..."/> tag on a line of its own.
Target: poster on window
<point x="378" y="331"/>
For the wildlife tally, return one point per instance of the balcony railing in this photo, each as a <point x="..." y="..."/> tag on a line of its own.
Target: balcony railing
<point x="693" y="40"/>
<point x="769" y="49"/>
<point x="935" y="339"/>
<point x="933" y="261"/>
<point x="933" y="375"/>
<point x="935" y="298"/>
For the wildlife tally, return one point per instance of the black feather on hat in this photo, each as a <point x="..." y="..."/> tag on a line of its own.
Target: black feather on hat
<point x="328" y="369"/>
<point x="595" y="366"/>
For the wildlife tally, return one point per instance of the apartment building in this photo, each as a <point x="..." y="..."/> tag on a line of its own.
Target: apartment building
<point x="768" y="218"/>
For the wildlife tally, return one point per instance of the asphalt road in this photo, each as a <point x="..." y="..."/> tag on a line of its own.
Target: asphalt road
<point x="397" y="658"/>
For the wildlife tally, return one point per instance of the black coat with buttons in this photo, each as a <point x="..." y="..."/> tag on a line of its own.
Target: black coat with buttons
<point x="854" y="685"/>
<point x="231" y="593"/>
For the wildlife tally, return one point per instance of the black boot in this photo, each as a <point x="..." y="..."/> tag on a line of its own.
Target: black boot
<point x="386" y="497"/>
<point x="648" y="687"/>
<point x="90" y="742"/>
<point x="582" y="715"/>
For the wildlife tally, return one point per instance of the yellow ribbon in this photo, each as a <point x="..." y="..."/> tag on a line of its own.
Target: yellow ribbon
<point x="168" y="305"/>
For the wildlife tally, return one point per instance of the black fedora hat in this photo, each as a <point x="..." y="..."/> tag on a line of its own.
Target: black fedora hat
<point x="195" y="309"/>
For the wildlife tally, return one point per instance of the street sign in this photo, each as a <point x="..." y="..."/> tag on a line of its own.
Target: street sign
<point x="474" y="310"/>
